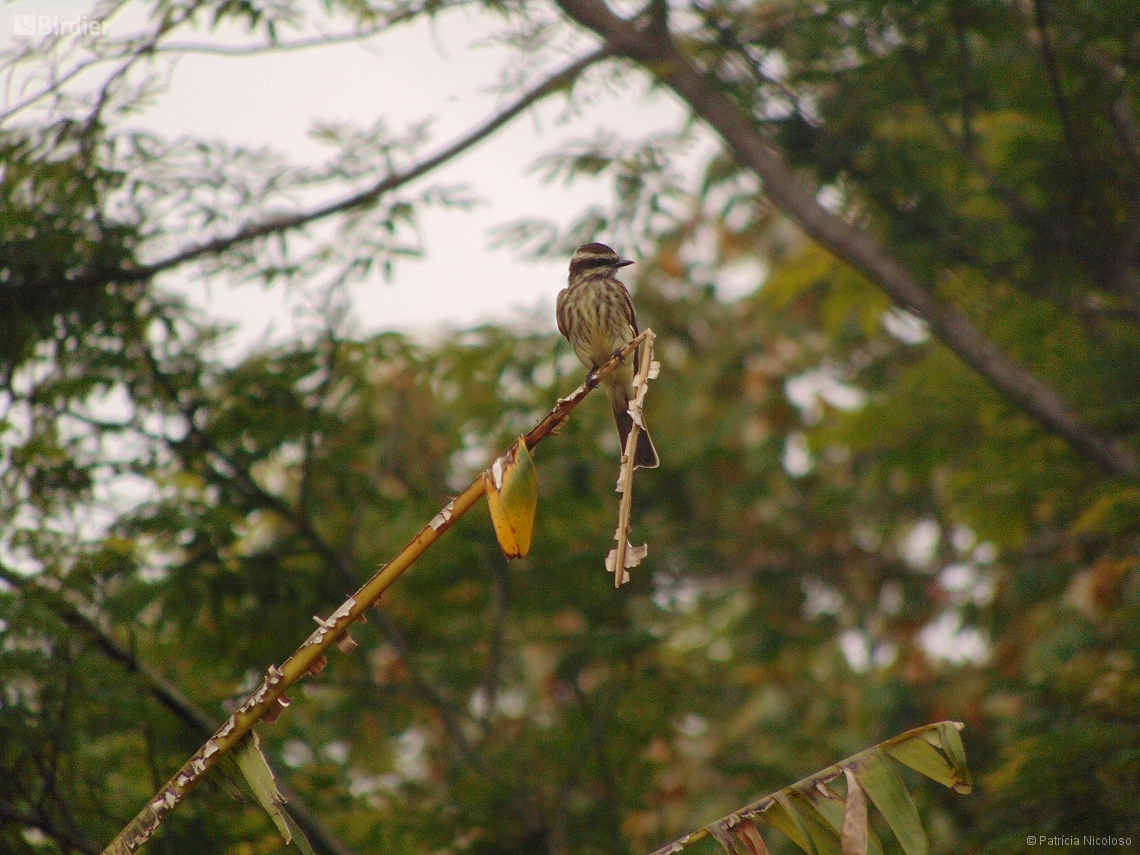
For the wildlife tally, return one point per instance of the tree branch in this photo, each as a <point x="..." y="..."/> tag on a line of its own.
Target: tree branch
<point x="310" y="656"/>
<point x="1020" y="207"/>
<point x="501" y="585"/>
<point x="366" y="197"/>
<point x="431" y="694"/>
<point x="324" y="40"/>
<point x="964" y="82"/>
<point x="661" y="57"/>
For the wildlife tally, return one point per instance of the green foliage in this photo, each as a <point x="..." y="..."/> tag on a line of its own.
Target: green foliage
<point x="818" y="819"/>
<point x="56" y="243"/>
<point x="851" y="534"/>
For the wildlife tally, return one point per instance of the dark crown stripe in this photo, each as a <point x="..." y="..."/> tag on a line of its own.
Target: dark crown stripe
<point x="595" y="248"/>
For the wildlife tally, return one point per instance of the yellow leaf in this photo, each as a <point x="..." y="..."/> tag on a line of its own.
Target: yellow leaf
<point x="512" y="497"/>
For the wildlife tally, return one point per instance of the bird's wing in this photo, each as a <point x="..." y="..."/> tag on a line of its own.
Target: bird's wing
<point x="558" y="312"/>
<point x="632" y="326"/>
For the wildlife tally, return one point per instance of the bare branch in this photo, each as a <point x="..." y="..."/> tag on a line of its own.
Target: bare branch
<point x="660" y="56"/>
<point x="731" y="39"/>
<point x="1021" y="208"/>
<point x="1053" y="72"/>
<point x="964" y="82"/>
<point x="625" y="555"/>
<point x="284" y="47"/>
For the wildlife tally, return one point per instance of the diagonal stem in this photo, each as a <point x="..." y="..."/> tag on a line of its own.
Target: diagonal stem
<point x="168" y="695"/>
<point x="269" y="698"/>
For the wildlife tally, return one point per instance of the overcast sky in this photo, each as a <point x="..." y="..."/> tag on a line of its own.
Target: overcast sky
<point x="414" y="72"/>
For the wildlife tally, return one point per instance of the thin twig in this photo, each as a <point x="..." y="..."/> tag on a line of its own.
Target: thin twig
<point x="730" y="39"/>
<point x="501" y="585"/>
<point x="1017" y="204"/>
<point x="624" y="554"/>
<point x="964" y="83"/>
<point x="1053" y="72"/>
<point x="323" y="40"/>
<point x="428" y="692"/>
<point x="596" y="739"/>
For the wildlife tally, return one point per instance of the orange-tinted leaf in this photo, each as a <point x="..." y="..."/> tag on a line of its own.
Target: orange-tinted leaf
<point x="749" y="834"/>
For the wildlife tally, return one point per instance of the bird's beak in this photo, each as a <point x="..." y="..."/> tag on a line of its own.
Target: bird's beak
<point x="625" y="262"/>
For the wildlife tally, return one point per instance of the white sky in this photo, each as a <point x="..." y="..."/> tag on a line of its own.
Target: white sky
<point x="415" y="72"/>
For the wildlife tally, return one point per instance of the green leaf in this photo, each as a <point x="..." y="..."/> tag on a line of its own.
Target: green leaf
<point x="782" y="814"/>
<point x="821" y="822"/>
<point x="823" y="833"/>
<point x="1115" y="512"/>
<point x="936" y="753"/>
<point x="950" y="741"/>
<point x="255" y="769"/>
<point x="878" y="777"/>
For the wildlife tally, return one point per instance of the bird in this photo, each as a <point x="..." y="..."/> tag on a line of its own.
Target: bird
<point x="595" y="314"/>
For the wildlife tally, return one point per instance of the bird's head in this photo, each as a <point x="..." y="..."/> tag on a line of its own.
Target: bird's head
<point x="595" y="258"/>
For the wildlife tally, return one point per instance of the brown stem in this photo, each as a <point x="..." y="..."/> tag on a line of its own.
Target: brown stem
<point x="268" y="698"/>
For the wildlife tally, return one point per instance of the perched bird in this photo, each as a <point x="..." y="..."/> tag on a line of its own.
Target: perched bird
<point x="596" y="315"/>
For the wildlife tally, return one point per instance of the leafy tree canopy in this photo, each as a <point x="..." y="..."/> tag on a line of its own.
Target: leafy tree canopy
<point x="898" y="482"/>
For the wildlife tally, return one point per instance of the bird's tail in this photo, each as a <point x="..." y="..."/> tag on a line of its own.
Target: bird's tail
<point x="645" y="454"/>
